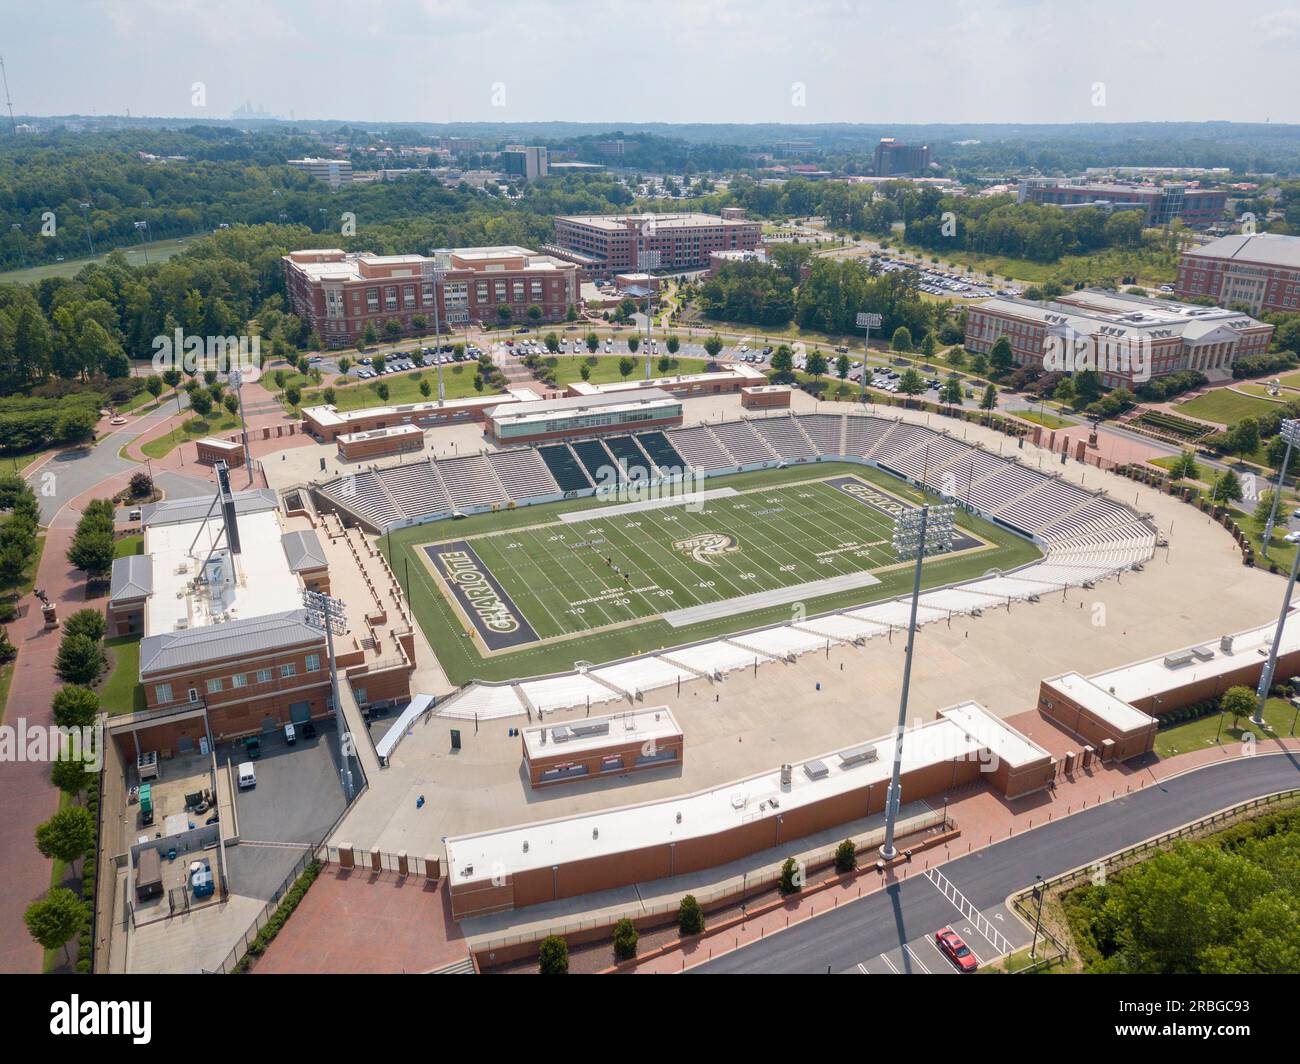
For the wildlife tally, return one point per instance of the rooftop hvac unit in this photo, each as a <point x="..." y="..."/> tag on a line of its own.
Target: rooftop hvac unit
<point x="1179" y="659"/>
<point x="815" y="770"/>
<point x="1225" y="644"/>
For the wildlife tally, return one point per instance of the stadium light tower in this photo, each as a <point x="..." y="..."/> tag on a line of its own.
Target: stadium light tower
<point x="1266" y="677"/>
<point x="236" y="379"/>
<point x="928" y="529"/>
<point x="866" y="322"/>
<point x="1291" y="433"/>
<point x="327" y="614"/>
<point x="439" y="274"/>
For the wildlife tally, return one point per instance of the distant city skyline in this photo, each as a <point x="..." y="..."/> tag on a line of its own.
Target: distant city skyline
<point x="713" y="61"/>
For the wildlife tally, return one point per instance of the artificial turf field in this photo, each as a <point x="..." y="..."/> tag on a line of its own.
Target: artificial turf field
<point x="597" y="590"/>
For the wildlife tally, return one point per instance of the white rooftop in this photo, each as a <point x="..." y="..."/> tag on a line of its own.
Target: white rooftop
<point x="255" y="583"/>
<point x="595" y="733"/>
<point x="1146" y="679"/>
<point x="1099" y="701"/>
<point x="613" y="831"/>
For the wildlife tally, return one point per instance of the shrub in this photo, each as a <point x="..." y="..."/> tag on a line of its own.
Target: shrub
<point x="846" y="856"/>
<point x="553" y="956"/>
<point x="79" y="660"/>
<point x="625" y="939"/>
<point x="75" y="707"/>
<point x="690" y="917"/>
<point x="791" y="877"/>
<point x="87" y="622"/>
<point x="141" y="484"/>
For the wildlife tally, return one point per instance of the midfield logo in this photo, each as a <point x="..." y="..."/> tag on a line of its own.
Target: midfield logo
<point x="705" y="547"/>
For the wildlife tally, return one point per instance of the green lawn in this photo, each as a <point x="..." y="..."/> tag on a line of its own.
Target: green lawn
<point x="122" y="691"/>
<point x="1152" y="268"/>
<point x="1225" y="407"/>
<point x="1045" y="418"/>
<point x="1198" y="734"/>
<point x="457" y="380"/>
<point x="195" y="428"/>
<point x="1203" y="474"/>
<point x="568" y="368"/>
<point x="158" y="251"/>
<point x="572" y="576"/>
<point x="128" y="545"/>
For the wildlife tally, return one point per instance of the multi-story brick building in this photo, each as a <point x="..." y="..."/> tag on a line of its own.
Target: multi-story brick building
<point x="227" y="649"/>
<point x="1258" y="270"/>
<point x="1160" y="204"/>
<point x="341" y="293"/>
<point x="1127" y="339"/>
<point x="608" y="244"/>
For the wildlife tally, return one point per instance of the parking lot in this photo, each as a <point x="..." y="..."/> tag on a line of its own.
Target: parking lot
<point x="298" y="795"/>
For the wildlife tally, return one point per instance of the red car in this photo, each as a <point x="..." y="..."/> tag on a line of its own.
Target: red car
<point x="950" y="943"/>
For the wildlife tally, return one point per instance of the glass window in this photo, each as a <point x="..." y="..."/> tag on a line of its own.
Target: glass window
<point x="313" y="663"/>
<point x="214" y="685"/>
<point x="288" y="670"/>
<point x="163" y="693"/>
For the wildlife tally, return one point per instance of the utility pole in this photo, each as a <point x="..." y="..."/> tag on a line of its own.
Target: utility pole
<point x="13" y="126"/>
<point x="866" y="322"/>
<point x="1290" y="431"/>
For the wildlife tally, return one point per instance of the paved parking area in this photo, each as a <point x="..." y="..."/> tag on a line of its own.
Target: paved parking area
<point x="298" y="793"/>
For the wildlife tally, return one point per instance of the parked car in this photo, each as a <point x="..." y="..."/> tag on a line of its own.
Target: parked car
<point x="951" y="945"/>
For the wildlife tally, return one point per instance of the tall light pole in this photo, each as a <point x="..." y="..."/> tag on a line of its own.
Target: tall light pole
<point x="327" y="614"/>
<point x="1290" y="432"/>
<point x="142" y="228"/>
<point x="1266" y="677"/>
<point x="866" y="322"/>
<point x="649" y="260"/>
<point x="236" y="380"/>
<point x="928" y="528"/>
<point x="439" y="275"/>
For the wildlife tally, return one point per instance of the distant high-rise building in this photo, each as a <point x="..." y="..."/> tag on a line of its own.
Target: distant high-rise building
<point x="1195" y="207"/>
<point x="901" y="160"/>
<point x="528" y="163"/>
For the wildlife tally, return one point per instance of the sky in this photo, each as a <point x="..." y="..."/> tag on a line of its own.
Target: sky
<point x="611" y="61"/>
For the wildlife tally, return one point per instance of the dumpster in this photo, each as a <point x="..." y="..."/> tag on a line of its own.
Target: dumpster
<point x="148" y="874"/>
<point x="146" y="804"/>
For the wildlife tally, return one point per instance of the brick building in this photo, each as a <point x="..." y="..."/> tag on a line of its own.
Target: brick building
<point x="1198" y="208"/>
<point x="340" y="293"/>
<point x="1259" y="270"/>
<point x="1127" y="338"/>
<point x="894" y="159"/>
<point x="617" y="243"/>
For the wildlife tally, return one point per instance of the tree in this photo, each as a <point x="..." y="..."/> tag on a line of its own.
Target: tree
<point x="1239" y="701"/>
<point x="1184" y="467"/>
<point x="1262" y="510"/>
<point x="345" y="364"/>
<point x="153" y="385"/>
<point x="902" y="339"/>
<point x="626" y="366"/>
<point x="690" y="916"/>
<point x="392" y="328"/>
<point x="92" y="552"/>
<point x="1227" y="488"/>
<point x="57" y="919"/>
<point x="88" y="622"/>
<point x="846" y="856"/>
<point x="1064" y="391"/>
<point x="956" y="357"/>
<point x="69" y="774"/>
<point x="378" y="363"/>
<point x="141" y="484"/>
<point x="1000" y="356"/>
<point x="553" y="956"/>
<point x="951" y="394"/>
<point x="593" y="342"/>
<point x="585" y="370"/>
<point x="989" y="402"/>
<point x="625" y="939"/>
<point x="425" y="389"/>
<point x="201" y="403"/>
<point x="67" y="836"/>
<point x="673" y="344"/>
<point x="817" y="363"/>
<point x="231" y="402"/>
<point x="534" y="313"/>
<point x="842" y="366"/>
<point x="293" y="395"/>
<point x="783" y="362"/>
<point x="1087" y="386"/>
<point x="713" y="345"/>
<point x="791" y="877"/>
<point x="503" y="314"/>
<point x="665" y="364"/>
<point x="1243" y="439"/>
<point x="79" y="660"/>
<point x="75" y="707"/>
<point x="329" y="395"/>
<point x="911" y="383"/>
<point x="381" y="390"/>
<point x="552" y="342"/>
<point x="929" y="345"/>
<point x="633" y="342"/>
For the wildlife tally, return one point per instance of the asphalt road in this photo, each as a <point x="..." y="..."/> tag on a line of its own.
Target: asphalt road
<point x="890" y="924"/>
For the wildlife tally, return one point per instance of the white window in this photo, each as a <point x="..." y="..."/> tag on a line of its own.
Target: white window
<point x="288" y="670"/>
<point x="240" y="679"/>
<point x="313" y="663"/>
<point x="194" y="694"/>
<point x="263" y="675"/>
<point x="162" y="693"/>
<point x="214" y="685"/>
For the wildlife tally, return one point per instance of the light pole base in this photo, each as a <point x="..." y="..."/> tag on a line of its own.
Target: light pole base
<point x="888" y="852"/>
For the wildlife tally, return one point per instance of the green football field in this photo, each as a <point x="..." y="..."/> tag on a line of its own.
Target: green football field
<point x="568" y="578"/>
<point x="522" y="592"/>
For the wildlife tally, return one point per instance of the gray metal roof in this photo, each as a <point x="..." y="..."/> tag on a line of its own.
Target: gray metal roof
<point x="178" y="511"/>
<point x="303" y="550"/>
<point x="1270" y="249"/>
<point x="229" y="639"/>
<point x="132" y="578"/>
